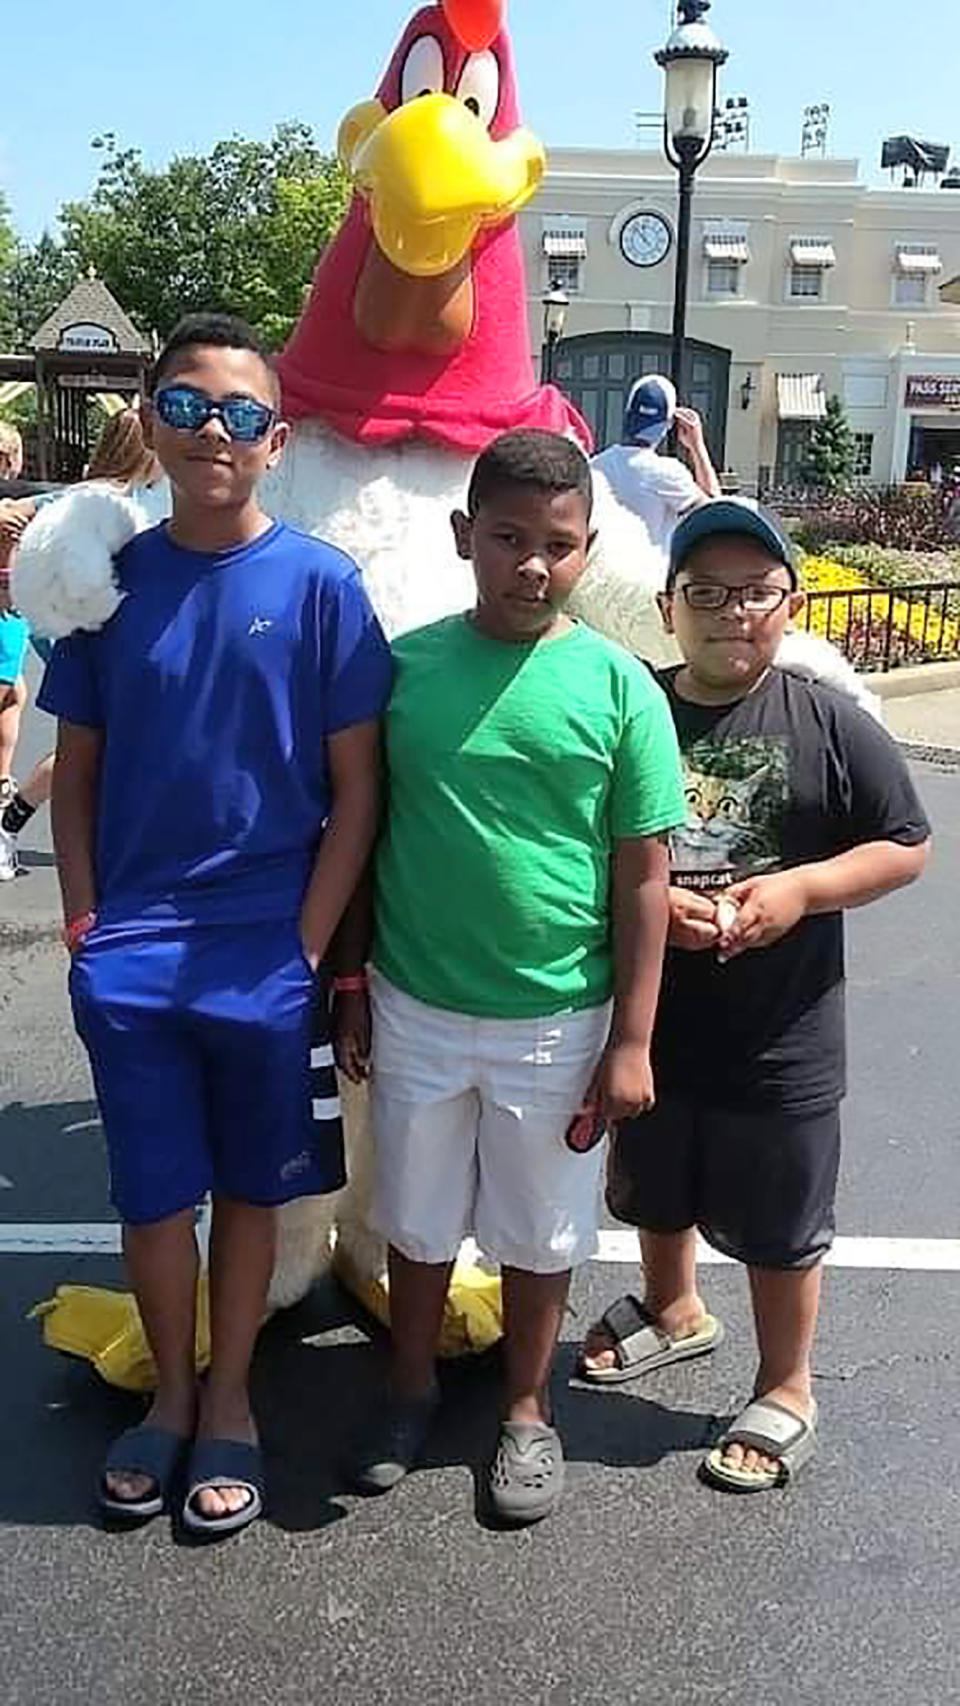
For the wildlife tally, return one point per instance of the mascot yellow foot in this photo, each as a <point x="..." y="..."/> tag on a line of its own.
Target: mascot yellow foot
<point x="472" y="1319"/>
<point x="104" y="1327"/>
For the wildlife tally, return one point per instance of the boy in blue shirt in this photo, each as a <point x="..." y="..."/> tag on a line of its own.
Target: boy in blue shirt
<point x="215" y="799"/>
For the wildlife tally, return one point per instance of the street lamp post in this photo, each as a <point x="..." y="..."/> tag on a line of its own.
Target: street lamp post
<point x="690" y="62"/>
<point x="555" y="305"/>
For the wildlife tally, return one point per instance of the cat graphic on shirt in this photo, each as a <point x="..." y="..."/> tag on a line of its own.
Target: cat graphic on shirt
<point x="732" y="823"/>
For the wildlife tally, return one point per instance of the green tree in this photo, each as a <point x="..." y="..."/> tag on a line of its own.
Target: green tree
<point x="832" y="453"/>
<point x="8" y="255"/>
<point x="239" y="229"/>
<point x="39" y="279"/>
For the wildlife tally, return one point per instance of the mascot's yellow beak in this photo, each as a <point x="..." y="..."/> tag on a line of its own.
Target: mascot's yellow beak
<point x="433" y="177"/>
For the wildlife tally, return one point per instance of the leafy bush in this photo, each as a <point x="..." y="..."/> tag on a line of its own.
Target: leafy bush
<point x="883" y="566"/>
<point x="902" y="518"/>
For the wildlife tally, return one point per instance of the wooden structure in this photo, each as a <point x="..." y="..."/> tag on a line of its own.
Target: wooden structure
<point x="87" y="346"/>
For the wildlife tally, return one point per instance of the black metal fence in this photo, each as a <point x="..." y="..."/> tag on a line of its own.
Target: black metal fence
<point x="886" y="628"/>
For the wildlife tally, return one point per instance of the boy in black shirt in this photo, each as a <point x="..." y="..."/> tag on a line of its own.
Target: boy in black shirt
<point x="800" y="806"/>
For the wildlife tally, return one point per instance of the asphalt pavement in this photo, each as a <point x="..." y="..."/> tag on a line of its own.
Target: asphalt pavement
<point x="646" y="1586"/>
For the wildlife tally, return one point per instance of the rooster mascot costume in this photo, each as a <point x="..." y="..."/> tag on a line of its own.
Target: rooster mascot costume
<point x="412" y="353"/>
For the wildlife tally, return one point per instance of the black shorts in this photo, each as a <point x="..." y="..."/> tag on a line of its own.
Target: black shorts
<point x="760" y="1186"/>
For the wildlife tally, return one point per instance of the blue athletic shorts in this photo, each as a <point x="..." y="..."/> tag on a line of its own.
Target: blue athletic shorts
<point x="14" y="639"/>
<point x="212" y="1063"/>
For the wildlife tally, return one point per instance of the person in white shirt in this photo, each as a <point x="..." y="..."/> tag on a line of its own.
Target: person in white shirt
<point x="660" y="490"/>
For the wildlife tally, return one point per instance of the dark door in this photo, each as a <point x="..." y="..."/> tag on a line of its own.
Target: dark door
<point x="597" y="370"/>
<point x="793" y="453"/>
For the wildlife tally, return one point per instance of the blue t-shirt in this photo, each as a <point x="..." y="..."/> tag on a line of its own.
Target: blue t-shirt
<point x="217" y="684"/>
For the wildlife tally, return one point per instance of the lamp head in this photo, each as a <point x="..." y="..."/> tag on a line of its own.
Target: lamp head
<point x="555" y="305"/>
<point x="690" y="63"/>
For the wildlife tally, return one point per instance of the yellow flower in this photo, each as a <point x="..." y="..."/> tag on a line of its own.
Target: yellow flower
<point x="867" y="617"/>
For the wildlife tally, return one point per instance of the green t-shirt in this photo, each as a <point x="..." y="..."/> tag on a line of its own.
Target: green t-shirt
<point x="512" y="771"/>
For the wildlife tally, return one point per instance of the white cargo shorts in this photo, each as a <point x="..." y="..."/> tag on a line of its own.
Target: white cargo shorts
<point x="469" y="1124"/>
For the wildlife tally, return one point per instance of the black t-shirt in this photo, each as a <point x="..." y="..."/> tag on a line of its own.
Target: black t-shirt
<point x="793" y="773"/>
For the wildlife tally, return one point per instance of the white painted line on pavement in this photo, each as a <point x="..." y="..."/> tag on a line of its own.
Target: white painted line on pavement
<point x="70" y="1239"/>
<point x="617" y="1248"/>
<point x="927" y="1255"/>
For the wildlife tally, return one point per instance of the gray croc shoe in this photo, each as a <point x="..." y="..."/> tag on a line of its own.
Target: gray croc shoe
<point x="769" y="1427"/>
<point x="394" y="1444"/>
<point x="640" y="1346"/>
<point x="527" y="1474"/>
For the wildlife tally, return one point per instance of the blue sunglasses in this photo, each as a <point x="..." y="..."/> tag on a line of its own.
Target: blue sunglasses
<point x="186" y="409"/>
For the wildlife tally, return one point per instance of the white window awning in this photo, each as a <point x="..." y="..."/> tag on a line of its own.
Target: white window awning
<point x="801" y="397"/>
<point x="919" y="259"/>
<point x="565" y="242"/>
<point x="717" y="247"/>
<point x="812" y="252"/>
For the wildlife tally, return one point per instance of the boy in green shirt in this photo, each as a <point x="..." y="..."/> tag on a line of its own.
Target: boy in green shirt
<point x="521" y="915"/>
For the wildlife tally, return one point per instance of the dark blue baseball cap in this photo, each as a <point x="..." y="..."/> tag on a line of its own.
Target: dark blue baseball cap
<point x="736" y="517"/>
<point x="649" y="414"/>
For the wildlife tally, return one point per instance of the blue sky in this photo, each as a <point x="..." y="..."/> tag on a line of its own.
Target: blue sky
<point x="178" y="77"/>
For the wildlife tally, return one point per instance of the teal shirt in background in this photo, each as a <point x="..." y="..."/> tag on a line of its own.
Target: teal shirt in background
<point x="513" y="769"/>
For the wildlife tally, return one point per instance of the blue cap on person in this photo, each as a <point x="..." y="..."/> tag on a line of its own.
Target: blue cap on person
<point x="726" y="516"/>
<point x="650" y="409"/>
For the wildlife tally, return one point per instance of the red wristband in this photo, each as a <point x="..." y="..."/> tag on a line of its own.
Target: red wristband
<point x="355" y="985"/>
<point x="74" y="932"/>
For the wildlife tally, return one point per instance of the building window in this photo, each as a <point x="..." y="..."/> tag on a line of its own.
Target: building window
<point x="726" y="251"/>
<point x="810" y="260"/>
<point x="910" y="290"/>
<point x="564" y="247"/>
<point x="863" y="455"/>
<point x="723" y="278"/>
<point x="806" y="282"/>
<point x="566" y="273"/>
<point x="916" y="263"/>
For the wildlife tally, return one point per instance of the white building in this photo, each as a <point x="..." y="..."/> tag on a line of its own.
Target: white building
<point x="803" y="283"/>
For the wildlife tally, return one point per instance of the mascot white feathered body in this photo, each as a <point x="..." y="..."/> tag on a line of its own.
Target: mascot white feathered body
<point x="411" y="355"/>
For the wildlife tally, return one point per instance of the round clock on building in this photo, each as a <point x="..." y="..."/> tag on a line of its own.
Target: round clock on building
<point x="645" y="239"/>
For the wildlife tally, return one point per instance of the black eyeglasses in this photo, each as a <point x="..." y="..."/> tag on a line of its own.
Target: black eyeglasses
<point x="759" y="600"/>
<point x="186" y="409"/>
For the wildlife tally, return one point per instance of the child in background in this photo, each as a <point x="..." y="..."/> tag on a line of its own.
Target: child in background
<point x="122" y="457"/>
<point x="122" y="454"/>
<point x="14" y="638"/>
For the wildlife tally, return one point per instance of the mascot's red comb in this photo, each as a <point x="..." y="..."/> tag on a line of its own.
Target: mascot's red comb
<point x="475" y="23"/>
